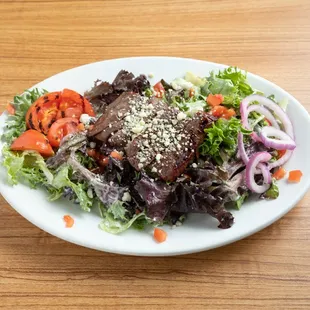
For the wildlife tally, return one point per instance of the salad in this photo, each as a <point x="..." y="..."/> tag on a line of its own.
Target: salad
<point x="151" y="155"/>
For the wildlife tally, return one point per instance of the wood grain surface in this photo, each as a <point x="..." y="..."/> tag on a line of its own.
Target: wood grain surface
<point x="269" y="270"/>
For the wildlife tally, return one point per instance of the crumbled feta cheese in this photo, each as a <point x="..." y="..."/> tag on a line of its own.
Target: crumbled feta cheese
<point x="90" y="193"/>
<point x="85" y="119"/>
<point x="154" y="169"/>
<point x="120" y="114"/>
<point x="140" y="166"/>
<point x="137" y="129"/>
<point x="194" y="165"/>
<point x="126" y="197"/>
<point x="92" y="145"/>
<point x="181" y="116"/>
<point x="180" y="83"/>
<point x="142" y="159"/>
<point x="158" y="157"/>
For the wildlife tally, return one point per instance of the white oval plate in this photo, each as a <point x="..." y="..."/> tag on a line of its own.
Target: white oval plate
<point x="199" y="232"/>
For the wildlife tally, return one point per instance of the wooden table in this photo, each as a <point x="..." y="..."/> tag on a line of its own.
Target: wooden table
<point x="270" y="270"/>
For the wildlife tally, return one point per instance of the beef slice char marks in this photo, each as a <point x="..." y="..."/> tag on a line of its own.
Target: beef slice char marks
<point x="115" y="113"/>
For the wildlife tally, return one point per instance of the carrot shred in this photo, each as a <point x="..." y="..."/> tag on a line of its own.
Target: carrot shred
<point x="192" y="92"/>
<point x="116" y="155"/>
<point x="10" y="108"/>
<point x="294" y="176"/>
<point x="279" y="174"/>
<point x="160" y="235"/>
<point x="69" y="221"/>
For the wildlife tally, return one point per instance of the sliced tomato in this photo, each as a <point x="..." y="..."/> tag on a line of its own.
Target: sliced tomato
<point x="75" y="112"/>
<point x="159" y="89"/>
<point x="60" y="129"/>
<point x="32" y="140"/>
<point x="43" y="112"/>
<point x="52" y="106"/>
<point x="88" y="109"/>
<point x="72" y="99"/>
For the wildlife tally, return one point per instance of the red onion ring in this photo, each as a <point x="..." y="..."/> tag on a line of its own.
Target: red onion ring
<point x="285" y="142"/>
<point x="262" y="110"/>
<point x="281" y="161"/>
<point x="281" y="115"/>
<point x="255" y="159"/>
<point x="262" y="169"/>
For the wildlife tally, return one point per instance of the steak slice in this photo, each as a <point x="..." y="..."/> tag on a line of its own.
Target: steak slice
<point x="104" y="93"/>
<point x="173" y="164"/>
<point x="113" y="115"/>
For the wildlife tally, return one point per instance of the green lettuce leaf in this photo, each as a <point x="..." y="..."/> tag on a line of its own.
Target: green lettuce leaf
<point x="219" y="85"/>
<point x="238" y="79"/>
<point x="26" y="166"/>
<point x="114" y="219"/>
<point x="62" y="179"/>
<point x="272" y="192"/>
<point x="222" y="137"/>
<point x="16" y="124"/>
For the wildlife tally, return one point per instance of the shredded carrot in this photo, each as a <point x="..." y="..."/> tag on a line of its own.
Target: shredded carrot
<point x="69" y="221"/>
<point x="192" y="92"/>
<point x="81" y="127"/>
<point x="10" y="108"/>
<point x="279" y="174"/>
<point x="116" y="155"/>
<point x="160" y="235"/>
<point x="294" y="176"/>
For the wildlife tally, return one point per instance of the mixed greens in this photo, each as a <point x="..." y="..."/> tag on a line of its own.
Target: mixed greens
<point x="234" y="152"/>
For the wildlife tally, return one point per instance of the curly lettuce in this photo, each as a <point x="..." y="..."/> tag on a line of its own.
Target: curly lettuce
<point x="26" y="166"/>
<point x="222" y="137"/>
<point x="115" y="221"/>
<point x="16" y="124"/>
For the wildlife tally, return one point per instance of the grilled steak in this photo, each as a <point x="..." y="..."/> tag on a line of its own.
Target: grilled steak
<point x="104" y="93"/>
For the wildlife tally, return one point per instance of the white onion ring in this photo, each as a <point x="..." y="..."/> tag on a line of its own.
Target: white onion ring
<point x="255" y="159"/>
<point x="285" y="142"/>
